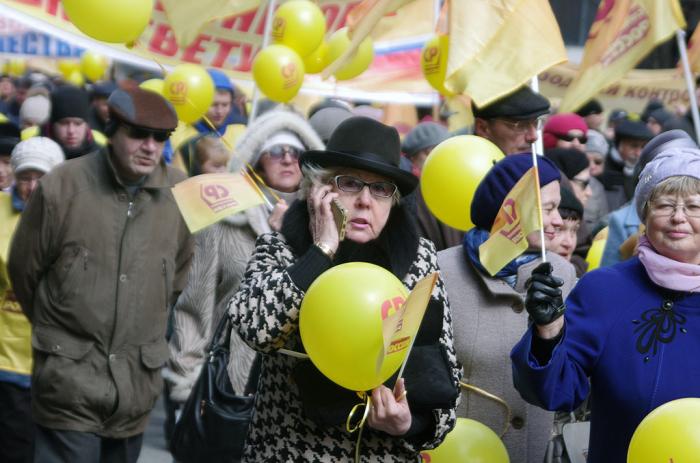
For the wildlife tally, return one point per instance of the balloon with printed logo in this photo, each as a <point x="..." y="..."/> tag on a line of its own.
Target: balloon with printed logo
<point x="93" y="65"/>
<point x="299" y="25"/>
<point x="66" y="67"/>
<point x="191" y="91"/>
<point x="358" y="63"/>
<point x="317" y="60"/>
<point x="76" y="78"/>
<point x="341" y="324"/>
<point x="113" y="21"/>
<point x="433" y="62"/>
<point x="451" y="173"/>
<point x="670" y="433"/>
<point x="16" y="67"/>
<point x="469" y="441"/>
<point x="154" y="85"/>
<point x="278" y="72"/>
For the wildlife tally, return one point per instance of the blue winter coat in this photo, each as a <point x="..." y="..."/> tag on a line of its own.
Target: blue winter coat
<point x="633" y="363"/>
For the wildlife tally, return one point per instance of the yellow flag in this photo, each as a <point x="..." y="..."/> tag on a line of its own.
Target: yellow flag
<point x="518" y="216"/>
<point x="623" y="33"/>
<point x="694" y="51"/>
<point x="498" y="45"/>
<point x="208" y="198"/>
<point x="188" y="18"/>
<point x="401" y="319"/>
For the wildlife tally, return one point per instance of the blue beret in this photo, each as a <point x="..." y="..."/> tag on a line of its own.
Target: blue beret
<point x="498" y="182"/>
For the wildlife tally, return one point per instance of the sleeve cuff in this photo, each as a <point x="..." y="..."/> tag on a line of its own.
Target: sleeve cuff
<point x="308" y="267"/>
<point x="542" y="349"/>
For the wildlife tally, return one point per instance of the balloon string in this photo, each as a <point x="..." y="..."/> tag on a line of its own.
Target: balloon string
<point x="493" y="397"/>
<point x="367" y="405"/>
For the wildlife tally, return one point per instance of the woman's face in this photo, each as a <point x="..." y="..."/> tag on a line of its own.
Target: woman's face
<point x="574" y="139"/>
<point x="279" y="167"/>
<point x="671" y="231"/>
<point x="597" y="162"/>
<point x="564" y="243"/>
<point x="581" y="187"/>
<point x="367" y="213"/>
<point x="551" y="198"/>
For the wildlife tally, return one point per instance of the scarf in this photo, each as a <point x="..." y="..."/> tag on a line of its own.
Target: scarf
<point x="17" y="203"/>
<point x="475" y="238"/>
<point x="668" y="273"/>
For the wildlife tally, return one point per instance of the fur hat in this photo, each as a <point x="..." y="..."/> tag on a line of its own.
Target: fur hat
<point x="498" y="182"/>
<point x="142" y="108"/>
<point x="38" y="153"/>
<point x="363" y="143"/>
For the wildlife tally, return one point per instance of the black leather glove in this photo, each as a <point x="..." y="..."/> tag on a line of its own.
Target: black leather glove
<point x="543" y="300"/>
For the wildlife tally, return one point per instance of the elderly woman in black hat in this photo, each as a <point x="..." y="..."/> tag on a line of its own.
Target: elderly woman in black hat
<point x="299" y="414"/>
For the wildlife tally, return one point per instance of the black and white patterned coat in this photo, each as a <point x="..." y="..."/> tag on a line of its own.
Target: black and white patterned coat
<point x="265" y="312"/>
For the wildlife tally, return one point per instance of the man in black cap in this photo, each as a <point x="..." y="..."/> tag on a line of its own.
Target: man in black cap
<point x="98" y="257"/>
<point x="618" y="174"/>
<point x="512" y="122"/>
<point x="68" y="124"/>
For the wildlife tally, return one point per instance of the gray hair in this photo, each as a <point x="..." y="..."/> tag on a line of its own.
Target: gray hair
<point x="316" y="175"/>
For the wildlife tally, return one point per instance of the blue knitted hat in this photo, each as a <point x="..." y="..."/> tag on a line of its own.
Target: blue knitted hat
<point x="498" y="182"/>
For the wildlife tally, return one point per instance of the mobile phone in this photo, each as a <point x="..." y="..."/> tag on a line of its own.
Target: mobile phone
<point x="340" y="218"/>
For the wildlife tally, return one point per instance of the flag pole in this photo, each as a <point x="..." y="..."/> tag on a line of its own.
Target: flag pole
<point x="680" y="39"/>
<point x="266" y="41"/>
<point x="536" y="150"/>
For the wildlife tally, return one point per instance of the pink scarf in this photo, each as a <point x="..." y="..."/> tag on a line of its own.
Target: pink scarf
<point x="668" y="273"/>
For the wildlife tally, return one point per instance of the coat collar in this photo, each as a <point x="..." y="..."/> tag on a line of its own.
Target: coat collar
<point x="157" y="179"/>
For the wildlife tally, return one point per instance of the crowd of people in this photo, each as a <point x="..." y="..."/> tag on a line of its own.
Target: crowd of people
<point x="108" y="301"/>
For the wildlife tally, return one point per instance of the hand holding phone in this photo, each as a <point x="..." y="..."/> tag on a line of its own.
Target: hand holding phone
<point x="340" y="218"/>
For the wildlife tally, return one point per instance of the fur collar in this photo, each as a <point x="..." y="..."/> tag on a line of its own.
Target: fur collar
<point x="395" y="249"/>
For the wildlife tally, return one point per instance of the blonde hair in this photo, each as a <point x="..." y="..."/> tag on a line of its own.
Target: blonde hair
<point x="678" y="185"/>
<point x="210" y="147"/>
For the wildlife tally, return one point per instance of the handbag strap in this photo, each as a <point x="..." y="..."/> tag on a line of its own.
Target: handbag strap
<point x="223" y="330"/>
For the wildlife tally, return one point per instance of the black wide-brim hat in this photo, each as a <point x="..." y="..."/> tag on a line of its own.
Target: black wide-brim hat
<point x="366" y="144"/>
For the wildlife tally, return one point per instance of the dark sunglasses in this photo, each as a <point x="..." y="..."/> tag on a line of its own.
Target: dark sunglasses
<point x="598" y="162"/>
<point x="277" y="152"/>
<point x="351" y="184"/>
<point x="566" y="137"/>
<point x="141" y="133"/>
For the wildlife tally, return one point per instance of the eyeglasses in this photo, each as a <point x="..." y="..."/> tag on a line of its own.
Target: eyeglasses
<point x="665" y="208"/>
<point x="566" y="137"/>
<point x="277" y="152"/>
<point x="582" y="183"/>
<point x="142" y="133"/>
<point x="351" y="184"/>
<point x="22" y="179"/>
<point x="524" y="126"/>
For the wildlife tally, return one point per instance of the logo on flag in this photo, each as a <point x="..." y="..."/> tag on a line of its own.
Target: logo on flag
<point x="217" y="197"/>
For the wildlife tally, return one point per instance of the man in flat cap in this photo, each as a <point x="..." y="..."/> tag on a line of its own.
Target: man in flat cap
<point x="511" y="122"/>
<point x="98" y="256"/>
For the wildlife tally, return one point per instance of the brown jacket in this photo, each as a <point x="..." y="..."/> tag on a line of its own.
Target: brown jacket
<point x="95" y="272"/>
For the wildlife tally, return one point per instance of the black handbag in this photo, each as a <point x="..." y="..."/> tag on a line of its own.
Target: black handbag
<point x="214" y="421"/>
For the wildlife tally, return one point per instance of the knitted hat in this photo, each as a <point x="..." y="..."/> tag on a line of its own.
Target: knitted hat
<point x="597" y="143"/>
<point x="35" y="110"/>
<point x="38" y="153"/>
<point x="561" y="124"/>
<point x="671" y="162"/>
<point x="569" y="160"/>
<point x="521" y="104"/>
<point x="69" y="101"/>
<point x="142" y="108"/>
<point x="498" y="182"/>
<point x="424" y="135"/>
<point x="592" y="107"/>
<point x="9" y="137"/>
<point x="570" y="201"/>
<point x="325" y="120"/>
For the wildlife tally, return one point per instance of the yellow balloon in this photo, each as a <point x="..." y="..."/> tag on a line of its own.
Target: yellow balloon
<point x="93" y="65"/>
<point x="451" y="174"/>
<point x="299" y="25"/>
<point x="154" y="85"/>
<point x="318" y="60"/>
<point x="191" y="91"/>
<point x="469" y="442"/>
<point x="433" y="62"/>
<point x="278" y="72"/>
<point x="595" y="252"/>
<point x="114" y="21"/>
<point x="76" y="78"/>
<point x="341" y="324"/>
<point x="670" y="433"/>
<point x="16" y="67"/>
<point x="338" y="43"/>
<point x="66" y="67"/>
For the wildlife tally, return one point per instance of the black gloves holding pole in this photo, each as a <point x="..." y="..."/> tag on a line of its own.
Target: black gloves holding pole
<point x="544" y="301"/>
